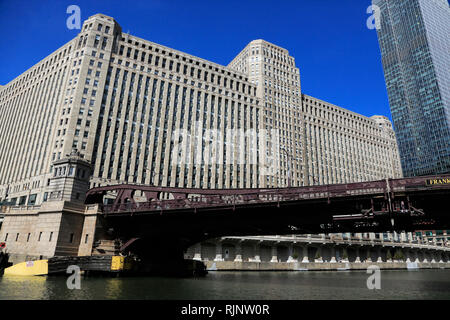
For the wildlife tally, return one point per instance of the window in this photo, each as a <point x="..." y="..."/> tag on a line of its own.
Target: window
<point x="32" y="200"/>
<point x="50" y="237"/>
<point x="22" y="200"/>
<point x="71" y="238"/>
<point x="40" y="235"/>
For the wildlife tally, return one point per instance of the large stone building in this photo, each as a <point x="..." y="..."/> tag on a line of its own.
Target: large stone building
<point x="143" y="113"/>
<point x="320" y="143"/>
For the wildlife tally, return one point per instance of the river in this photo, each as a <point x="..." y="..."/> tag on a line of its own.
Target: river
<point x="418" y="284"/>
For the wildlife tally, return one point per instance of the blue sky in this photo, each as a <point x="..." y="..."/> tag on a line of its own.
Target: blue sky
<point x="338" y="56"/>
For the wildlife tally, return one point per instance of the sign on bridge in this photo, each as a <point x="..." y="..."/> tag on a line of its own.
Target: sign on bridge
<point x="435" y="182"/>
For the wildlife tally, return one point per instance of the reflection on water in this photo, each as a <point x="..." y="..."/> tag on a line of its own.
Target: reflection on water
<point x="423" y="284"/>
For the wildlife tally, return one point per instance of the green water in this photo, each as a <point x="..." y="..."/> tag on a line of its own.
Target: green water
<point x="419" y="284"/>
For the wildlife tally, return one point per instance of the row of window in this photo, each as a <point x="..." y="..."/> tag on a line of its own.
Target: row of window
<point x="198" y="72"/>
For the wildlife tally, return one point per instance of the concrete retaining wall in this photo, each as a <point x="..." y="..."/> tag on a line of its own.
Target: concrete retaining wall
<point x="298" y="266"/>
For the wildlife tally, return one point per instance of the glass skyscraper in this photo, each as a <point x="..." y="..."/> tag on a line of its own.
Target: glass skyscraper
<point x="415" y="47"/>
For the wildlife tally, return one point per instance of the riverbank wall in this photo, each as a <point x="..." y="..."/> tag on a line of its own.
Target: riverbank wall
<point x="320" y="266"/>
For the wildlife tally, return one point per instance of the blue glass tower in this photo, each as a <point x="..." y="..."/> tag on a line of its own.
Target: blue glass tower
<point x="414" y="40"/>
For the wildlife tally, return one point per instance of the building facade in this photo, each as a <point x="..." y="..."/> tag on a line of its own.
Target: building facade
<point x="319" y="143"/>
<point x="277" y="78"/>
<point x="342" y="146"/>
<point x="415" y="48"/>
<point x="143" y="113"/>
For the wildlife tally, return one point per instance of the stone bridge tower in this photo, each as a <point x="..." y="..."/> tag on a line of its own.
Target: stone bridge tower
<point x="70" y="179"/>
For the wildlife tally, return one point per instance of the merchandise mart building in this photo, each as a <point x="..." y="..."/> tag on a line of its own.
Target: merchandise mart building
<point x="122" y="102"/>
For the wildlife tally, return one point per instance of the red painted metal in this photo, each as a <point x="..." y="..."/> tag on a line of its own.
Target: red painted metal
<point x="128" y="243"/>
<point x="189" y="198"/>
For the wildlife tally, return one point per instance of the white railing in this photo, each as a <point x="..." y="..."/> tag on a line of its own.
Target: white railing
<point x="328" y="240"/>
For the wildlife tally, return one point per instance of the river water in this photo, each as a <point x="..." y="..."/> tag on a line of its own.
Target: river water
<point x="418" y="284"/>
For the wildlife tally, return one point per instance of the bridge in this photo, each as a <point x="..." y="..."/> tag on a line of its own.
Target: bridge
<point x="188" y="216"/>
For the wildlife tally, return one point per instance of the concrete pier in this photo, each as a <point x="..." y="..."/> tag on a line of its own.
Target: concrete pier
<point x="317" y="252"/>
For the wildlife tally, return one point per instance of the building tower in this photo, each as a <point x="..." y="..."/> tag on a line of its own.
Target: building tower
<point x="274" y="72"/>
<point x="70" y="180"/>
<point x="415" y="45"/>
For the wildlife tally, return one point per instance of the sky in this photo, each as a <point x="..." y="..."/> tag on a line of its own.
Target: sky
<point x="338" y="56"/>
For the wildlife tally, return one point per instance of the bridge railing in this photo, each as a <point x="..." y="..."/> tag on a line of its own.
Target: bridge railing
<point x="187" y="198"/>
<point x="266" y="196"/>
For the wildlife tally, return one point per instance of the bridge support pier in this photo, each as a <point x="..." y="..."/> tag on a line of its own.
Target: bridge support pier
<point x="357" y="259"/>
<point x="345" y="255"/>
<point x="274" y="254"/>
<point x="408" y="255"/>
<point x="291" y="254"/>
<point x="305" y="254"/>
<point x="257" y="257"/>
<point x="238" y="257"/>
<point x="441" y="257"/>
<point x="433" y="256"/>
<point x="333" y="254"/>
<point x="218" y="252"/>
<point x="198" y="252"/>
<point x="368" y="256"/>
<point x="424" y="260"/>
<point x="416" y="256"/>
<point x="319" y="258"/>
<point x="380" y="258"/>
